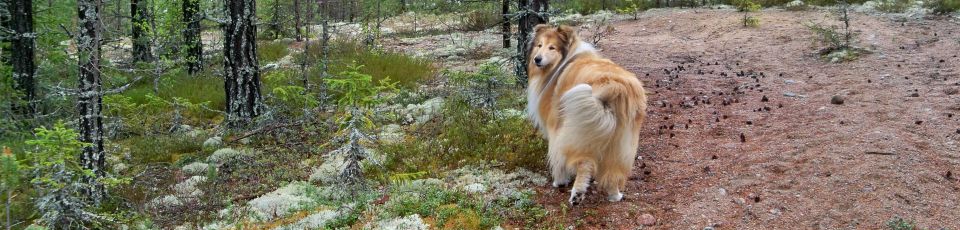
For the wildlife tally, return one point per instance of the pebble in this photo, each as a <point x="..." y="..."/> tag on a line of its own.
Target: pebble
<point x="790" y="94"/>
<point x="647" y="220"/>
<point x="836" y="100"/>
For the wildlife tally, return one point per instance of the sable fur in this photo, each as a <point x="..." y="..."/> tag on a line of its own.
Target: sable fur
<point x="591" y="113"/>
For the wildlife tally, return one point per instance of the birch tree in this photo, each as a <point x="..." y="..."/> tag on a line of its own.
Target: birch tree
<point x="241" y="69"/>
<point x="89" y="95"/>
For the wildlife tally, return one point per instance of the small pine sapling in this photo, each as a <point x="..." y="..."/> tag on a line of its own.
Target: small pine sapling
<point x="10" y="169"/>
<point x="747" y="6"/>
<point x="358" y="95"/>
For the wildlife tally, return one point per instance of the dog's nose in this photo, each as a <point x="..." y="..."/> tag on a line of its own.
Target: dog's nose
<point x="537" y="60"/>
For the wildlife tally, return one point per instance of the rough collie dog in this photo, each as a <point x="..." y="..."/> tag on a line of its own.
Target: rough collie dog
<point x="589" y="108"/>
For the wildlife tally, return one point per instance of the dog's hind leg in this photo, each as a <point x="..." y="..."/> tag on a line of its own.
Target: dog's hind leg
<point x="585" y="169"/>
<point x="558" y="168"/>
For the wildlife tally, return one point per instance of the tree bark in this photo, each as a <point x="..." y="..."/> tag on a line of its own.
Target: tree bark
<point x="89" y="99"/>
<point x="506" y="23"/>
<point x="525" y="25"/>
<point x="22" y="47"/>
<point x="241" y="69"/>
<point x="138" y="22"/>
<point x="296" y="19"/>
<point x="191" y="36"/>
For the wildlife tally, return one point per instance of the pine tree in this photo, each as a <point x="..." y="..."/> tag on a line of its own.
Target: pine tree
<point x="141" y="44"/>
<point x="22" y="47"/>
<point x="191" y="36"/>
<point x="241" y="69"/>
<point x="90" y="97"/>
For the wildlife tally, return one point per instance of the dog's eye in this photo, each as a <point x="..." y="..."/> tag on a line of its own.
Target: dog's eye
<point x="541" y="45"/>
<point x="551" y="48"/>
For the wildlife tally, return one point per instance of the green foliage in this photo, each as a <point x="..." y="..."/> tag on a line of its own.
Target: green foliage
<point x="481" y="124"/>
<point x="898" y="223"/>
<point x="586" y="7"/>
<point x="746" y="6"/>
<point x="479" y="20"/>
<point x="405" y="178"/>
<point x="272" y="51"/>
<point x="60" y="179"/>
<point x="10" y="168"/>
<point x="943" y="6"/>
<point x="154" y="115"/>
<point x="356" y="89"/>
<point x="407" y="71"/>
<point x="287" y="98"/>
<point x="165" y="148"/>
<point x="634" y="7"/>
<point x="893" y="6"/>
<point x="454" y="209"/>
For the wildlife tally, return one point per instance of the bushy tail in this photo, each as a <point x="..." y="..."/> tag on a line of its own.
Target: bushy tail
<point x="590" y="114"/>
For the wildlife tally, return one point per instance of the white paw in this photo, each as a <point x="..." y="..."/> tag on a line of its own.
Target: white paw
<point x="615" y="197"/>
<point x="557" y="184"/>
<point x="576" y="197"/>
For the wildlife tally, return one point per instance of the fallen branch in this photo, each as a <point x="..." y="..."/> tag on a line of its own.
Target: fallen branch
<point x="264" y="129"/>
<point x="880" y="153"/>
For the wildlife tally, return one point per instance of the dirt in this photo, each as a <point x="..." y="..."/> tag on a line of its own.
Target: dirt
<point x="714" y="153"/>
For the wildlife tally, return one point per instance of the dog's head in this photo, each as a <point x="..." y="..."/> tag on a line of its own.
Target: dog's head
<point x="550" y="45"/>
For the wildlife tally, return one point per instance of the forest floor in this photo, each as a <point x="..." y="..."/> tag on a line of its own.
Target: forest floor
<point x="741" y="132"/>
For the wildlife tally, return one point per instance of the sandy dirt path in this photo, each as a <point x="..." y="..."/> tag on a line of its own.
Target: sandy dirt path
<point x="742" y="134"/>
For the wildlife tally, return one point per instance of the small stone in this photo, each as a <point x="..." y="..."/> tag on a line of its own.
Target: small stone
<point x="836" y="100"/>
<point x="915" y="94"/>
<point x="918" y="122"/>
<point x="647" y="220"/>
<point x="764" y="99"/>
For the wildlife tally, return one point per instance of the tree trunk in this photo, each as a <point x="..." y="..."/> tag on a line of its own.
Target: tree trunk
<point x="22" y="46"/>
<point x="241" y="69"/>
<point x="138" y="22"/>
<point x="525" y="25"/>
<point x="506" y="23"/>
<point x="403" y="6"/>
<point x="296" y="19"/>
<point x="191" y="36"/>
<point x="275" y="20"/>
<point x="89" y="98"/>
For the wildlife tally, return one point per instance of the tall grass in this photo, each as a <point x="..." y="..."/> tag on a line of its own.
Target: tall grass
<point x="399" y="67"/>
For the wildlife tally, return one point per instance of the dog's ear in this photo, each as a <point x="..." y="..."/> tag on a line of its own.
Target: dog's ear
<point x="568" y="34"/>
<point x="540" y="28"/>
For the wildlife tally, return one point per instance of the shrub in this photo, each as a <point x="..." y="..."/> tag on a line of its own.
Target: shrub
<point x="407" y="71"/>
<point x="60" y="180"/>
<point x="481" y="123"/>
<point x="893" y="6"/>
<point x="272" y="51"/>
<point x="479" y="20"/>
<point x="898" y="223"/>
<point x="747" y="6"/>
<point x="943" y="6"/>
